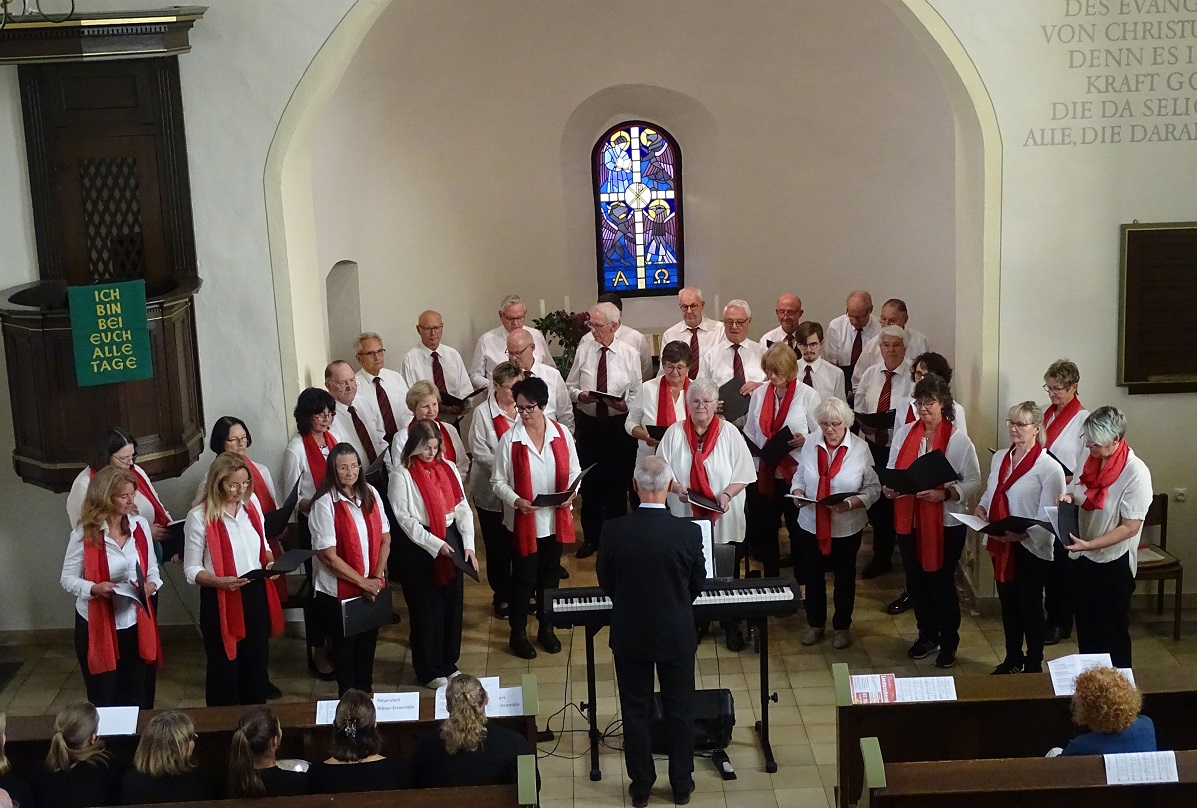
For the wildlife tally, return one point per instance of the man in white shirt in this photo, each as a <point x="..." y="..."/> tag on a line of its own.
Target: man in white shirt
<point x="734" y="355"/>
<point x="520" y="350"/>
<point x="848" y="333"/>
<point x="700" y="333"/>
<point x="813" y="370"/>
<point x="789" y="315"/>
<point x="440" y="364"/>
<point x="609" y="366"/>
<point x="491" y="348"/>
<point x="629" y="335"/>
<point x="348" y="424"/>
<point x="381" y="392"/>
<point x="893" y="312"/>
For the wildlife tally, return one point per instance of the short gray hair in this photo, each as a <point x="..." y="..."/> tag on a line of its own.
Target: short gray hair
<point x="693" y="289"/>
<point x="702" y="386"/>
<point x="738" y="304"/>
<point x="362" y="337"/>
<point x="833" y="409"/>
<point x="505" y="372"/>
<point x="1104" y="425"/>
<point x="608" y="310"/>
<point x="652" y="474"/>
<point x="893" y="331"/>
<point x="509" y="301"/>
<point x="1031" y="411"/>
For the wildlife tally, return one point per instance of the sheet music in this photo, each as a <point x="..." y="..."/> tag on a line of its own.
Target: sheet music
<point x="926" y="688"/>
<point x="508" y="701"/>
<point x="1065" y="670"/>
<point x="708" y="547"/>
<point x="326" y="711"/>
<point x="1129" y="768"/>
<point x="489" y="683"/>
<point x="397" y="706"/>
<point x="1146" y="555"/>
<point x="970" y="521"/>
<point x="117" y="721"/>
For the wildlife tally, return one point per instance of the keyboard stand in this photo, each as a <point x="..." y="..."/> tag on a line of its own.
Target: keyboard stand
<point x="591" y="707"/>
<point x="762" y="726"/>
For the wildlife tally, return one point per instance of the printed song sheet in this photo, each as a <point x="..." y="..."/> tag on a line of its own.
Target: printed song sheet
<point x="117" y="721"/>
<point x="885" y="688"/>
<point x="1065" y="670"/>
<point x="1141" y="767"/>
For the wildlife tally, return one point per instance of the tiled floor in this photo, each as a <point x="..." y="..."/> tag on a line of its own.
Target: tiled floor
<point x="803" y="719"/>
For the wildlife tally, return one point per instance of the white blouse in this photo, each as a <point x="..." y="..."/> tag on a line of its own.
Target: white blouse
<point x="1128" y="497"/>
<point x="295" y="466"/>
<point x="145" y="509"/>
<point x="856" y="474"/>
<point x="412" y="514"/>
<point x="643" y="411"/>
<point x="1041" y="487"/>
<point x="244" y="541"/>
<point x="730" y="462"/>
<point x="1069" y="445"/>
<point x="483" y="441"/>
<point x="961" y="454"/>
<point x="543" y="467"/>
<point x="394" y="456"/>
<point x="800" y="419"/>
<point x="122" y="567"/>
<point x="323" y="523"/>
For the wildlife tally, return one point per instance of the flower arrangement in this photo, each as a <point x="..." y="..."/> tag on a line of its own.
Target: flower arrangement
<point x="567" y="328"/>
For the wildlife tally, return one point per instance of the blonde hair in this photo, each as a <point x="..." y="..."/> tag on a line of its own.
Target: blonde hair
<point x="1105" y="701"/>
<point x="5" y="766"/>
<point x="224" y="466"/>
<point x="419" y="391"/>
<point x="165" y="747"/>
<point x="780" y="359"/>
<point x="1030" y="410"/>
<point x="465" y="729"/>
<point x="74" y="727"/>
<point x="105" y="486"/>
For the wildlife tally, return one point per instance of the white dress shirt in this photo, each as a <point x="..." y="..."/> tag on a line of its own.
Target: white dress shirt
<point x="412" y="514"/>
<point x="869" y="392"/>
<point x="342" y="427"/>
<point x="718" y="365"/>
<point x="295" y="466"/>
<point x="730" y="462"/>
<point x="800" y="418"/>
<point x="543" y="467"/>
<point x="963" y="457"/>
<point x="637" y="341"/>
<point x="366" y="400"/>
<point x="709" y="333"/>
<point x="491" y="349"/>
<point x="394" y="456"/>
<point x="1069" y="445"/>
<point x="1128" y="497"/>
<point x="916" y="346"/>
<point x="643" y="411"/>
<point x="840" y="334"/>
<point x="1041" y="487"/>
<point x="906" y="406"/>
<point x="827" y="378"/>
<point x="417" y="365"/>
<point x="560" y="407"/>
<point x="145" y="509"/>
<point x="856" y="474"/>
<point x="323" y="523"/>
<point x="483" y="442"/>
<point x="244" y="541"/>
<point x="623" y="373"/>
<point x="122" y="567"/>
<point x="777" y="335"/>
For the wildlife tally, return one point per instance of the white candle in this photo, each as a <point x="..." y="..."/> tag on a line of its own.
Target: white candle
<point x="542" y="307"/>
<point x="567" y="304"/>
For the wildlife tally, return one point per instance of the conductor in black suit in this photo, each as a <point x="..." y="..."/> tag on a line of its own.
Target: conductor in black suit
<point x="650" y="564"/>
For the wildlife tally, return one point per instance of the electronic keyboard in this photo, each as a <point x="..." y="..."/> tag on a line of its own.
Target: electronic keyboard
<point x="719" y="600"/>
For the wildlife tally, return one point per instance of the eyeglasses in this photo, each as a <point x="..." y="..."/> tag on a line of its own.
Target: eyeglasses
<point x="925" y="404"/>
<point x="354" y="467"/>
<point x="1056" y="388"/>
<point x="702" y="403"/>
<point x="345" y="385"/>
<point x="373" y="354"/>
<point x="736" y="323"/>
<point x="676" y="367"/>
<point x="520" y="351"/>
<point x="236" y="486"/>
<point x="814" y="344"/>
<point x="787" y="312"/>
<point x="526" y="408"/>
<point x="831" y="424"/>
<point x="130" y="460"/>
<point x="689" y="306"/>
<point x="241" y="441"/>
<point x="1017" y="424"/>
<point x="324" y="416"/>
<point x="509" y="319"/>
<point x="431" y="328"/>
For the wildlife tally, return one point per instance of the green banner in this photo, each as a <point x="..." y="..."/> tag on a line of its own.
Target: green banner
<point x="109" y="330"/>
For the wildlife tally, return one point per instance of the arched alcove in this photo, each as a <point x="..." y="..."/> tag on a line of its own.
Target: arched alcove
<point x="343" y="306"/>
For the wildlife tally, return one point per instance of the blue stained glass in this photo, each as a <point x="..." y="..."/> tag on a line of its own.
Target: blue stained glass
<point x="638" y="206"/>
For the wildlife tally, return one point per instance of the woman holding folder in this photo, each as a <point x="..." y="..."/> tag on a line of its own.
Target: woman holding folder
<point x="662" y="401"/>
<point x="429" y="502"/>
<point x="930" y="541"/>
<point x="224" y="548"/>
<point x="352" y="540"/>
<point x="116" y="637"/>
<point x="1023" y="480"/>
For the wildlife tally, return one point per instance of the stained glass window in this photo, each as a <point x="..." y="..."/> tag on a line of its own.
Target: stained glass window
<point x="637" y="169"/>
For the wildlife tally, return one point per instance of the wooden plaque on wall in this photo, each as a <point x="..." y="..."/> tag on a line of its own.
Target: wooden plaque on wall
<point x="1157" y="330"/>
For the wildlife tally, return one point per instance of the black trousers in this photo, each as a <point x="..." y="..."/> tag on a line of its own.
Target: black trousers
<point x="1103" y="594"/>
<point x="881" y="516"/>
<point x="314" y="627"/>
<point x="1057" y="591"/>
<point x="936" y="604"/>
<point x="130" y="685"/>
<point x="604" y="490"/>
<point x="635" y="679"/>
<point x="1022" y="608"/>
<point x="762" y="517"/>
<point x="533" y="574"/>
<point x="352" y="657"/>
<point x="497" y="542"/>
<point x="434" y="612"/>
<point x="842" y="564"/>
<point x="242" y="680"/>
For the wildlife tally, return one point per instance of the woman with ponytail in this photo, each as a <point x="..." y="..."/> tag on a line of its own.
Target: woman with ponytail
<point x="77" y="772"/>
<point x="17" y="789"/>
<point x="254" y="769"/>
<point x="116" y="638"/>
<point x="355" y="761"/>
<point x="164" y="767"/>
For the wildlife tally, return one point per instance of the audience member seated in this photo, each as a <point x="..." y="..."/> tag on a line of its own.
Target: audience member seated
<point x="77" y="772"/>
<point x="163" y="767"/>
<point x="1108" y="706"/>
<point x="468" y="750"/>
<point x="16" y="789"/>
<point x="254" y="771"/>
<point x="355" y="762"/>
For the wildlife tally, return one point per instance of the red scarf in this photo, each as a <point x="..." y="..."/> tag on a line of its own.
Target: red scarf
<point x="501" y="424"/>
<point x="666" y="414"/>
<point x="524" y="534"/>
<point x="700" y="481"/>
<point x="349" y="545"/>
<point x="1097" y="478"/>
<point x="232" y="614"/>
<point x="260" y="487"/>
<point x="773" y="418"/>
<point x="447" y="449"/>
<point x="102" y="649"/>
<point x="911" y="414"/>
<point x="912" y="514"/>
<point x="1055" y="419"/>
<point x="441" y="492"/>
<point x="146" y="489"/>
<point x="1004" y="559"/>
<point x="317" y="462"/>
<point x="827" y="472"/>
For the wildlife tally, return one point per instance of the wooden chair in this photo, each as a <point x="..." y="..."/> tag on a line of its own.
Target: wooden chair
<point x="1168" y="567"/>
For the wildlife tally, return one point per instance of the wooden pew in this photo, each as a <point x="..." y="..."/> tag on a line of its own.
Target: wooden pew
<point x="993" y="717"/>
<point x="1025" y="782"/>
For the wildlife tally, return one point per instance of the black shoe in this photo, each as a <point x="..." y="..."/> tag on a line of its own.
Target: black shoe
<point x="875" y="568"/>
<point x="272" y="692"/>
<point x="330" y="676"/>
<point x="548" y="640"/>
<point x="585" y="551"/>
<point x="703" y="630"/>
<point x="922" y="649"/>
<point x="1007" y="666"/>
<point x="945" y="659"/>
<point x="501" y="610"/>
<point x="639" y="801"/>
<point x="735" y="638"/>
<point x="520" y="646"/>
<point x="563" y="573"/>
<point x="681" y="796"/>
<point x="903" y="604"/>
<point x="1054" y="634"/>
<point x="786" y="561"/>
<point x="1036" y="668"/>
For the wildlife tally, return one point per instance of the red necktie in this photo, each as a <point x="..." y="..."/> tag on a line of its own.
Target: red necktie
<point x="883" y="401"/>
<point x="600" y="382"/>
<point x="438" y="373"/>
<point x="790" y="342"/>
<point x="857" y="345"/>
<point x="389" y="427"/>
<point x="363" y="435"/>
<point x="737" y="362"/>
<point x="694" y="353"/>
<point x="806" y="378"/>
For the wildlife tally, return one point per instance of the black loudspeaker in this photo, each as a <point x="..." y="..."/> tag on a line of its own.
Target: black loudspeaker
<point x="714" y="717"/>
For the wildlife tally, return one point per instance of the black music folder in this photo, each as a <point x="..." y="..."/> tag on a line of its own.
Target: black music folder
<point x="774" y="449"/>
<point x="655" y="432"/>
<point x="609" y="398"/>
<point x="454" y="401"/>
<point x="877" y="420"/>
<point x="1014" y="524"/>
<point x="704" y="502"/>
<point x="559" y="497"/>
<point x="287" y="562"/>
<point x="1067" y="471"/>
<point x="735" y="404"/>
<point x="830" y="499"/>
<point x="459" y="560"/>
<point x="1069" y="516"/>
<point x="927" y="472"/>
<point x="276" y="521"/>
<point x="172" y="543"/>
<point x="135" y="590"/>
<point x="362" y="614"/>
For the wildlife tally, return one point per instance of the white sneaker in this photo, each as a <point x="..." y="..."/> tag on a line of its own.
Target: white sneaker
<point x="455" y="674"/>
<point x="811" y="636"/>
<point x="841" y="640"/>
<point x="437" y="683"/>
